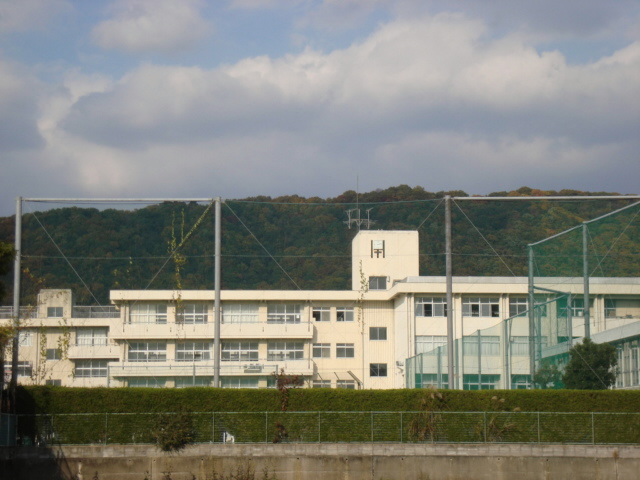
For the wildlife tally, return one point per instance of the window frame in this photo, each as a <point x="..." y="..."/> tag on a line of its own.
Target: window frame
<point x="240" y="312"/>
<point x="345" y="350"/>
<point x="321" y="350"/>
<point x="377" y="282"/>
<point x="192" y="313"/>
<point x="240" y="351"/>
<point x="91" y="368"/>
<point x="481" y="307"/>
<point x="378" y="370"/>
<point x="431" y="307"/>
<point x="285" y="350"/>
<point x="188" y="351"/>
<point x="378" y="331"/>
<point x="153" y="352"/>
<point x="345" y="314"/>
<point x="284" y="313"/>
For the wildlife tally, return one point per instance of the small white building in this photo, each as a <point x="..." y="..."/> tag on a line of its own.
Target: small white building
<point x="358" y="338"/>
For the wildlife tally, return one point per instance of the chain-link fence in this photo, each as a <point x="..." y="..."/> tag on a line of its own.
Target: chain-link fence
<point x="338" y="427"/>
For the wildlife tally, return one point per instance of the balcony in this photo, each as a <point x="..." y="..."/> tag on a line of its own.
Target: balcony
<point x="264" y="330"/>
<point x="110" y="351"/>
<point x="162" y="331"/>
<point x="95" y="311"/>
<point x="230" y="369"/>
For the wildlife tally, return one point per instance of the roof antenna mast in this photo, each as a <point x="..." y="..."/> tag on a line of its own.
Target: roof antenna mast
<point x="356" y="219"/>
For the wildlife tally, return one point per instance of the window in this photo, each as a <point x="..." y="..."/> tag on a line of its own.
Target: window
<point x="25" y="338"/>
<point x="377" y="283"/>
<point x="148" y="382"/>
<point x="345" y="350"/>
<point x="378" y="369"/>
<point x="25" y="369"/>
<point x="53" y="383"/>
<point x="321" y="314"/>
<point x="520" y="382"/>
<point x="91" y="336"/>
<point x="321" y="384"/>
<point x="53" y="354"/>
<point x="193" y="351"/>
<point x="283" y="313"/>
<point x="344" y="314"/>
<point x="431" y="307"/>
<point x="285" y="351"/>
<point x="433" y="380"/>
<point x="481" y="382"/>
<point x="192" y="313"/>
<point x="91" y="368"/>
<point x="377" y="333"/>
<point x="428" y="343"/>
<point x="239" y="382"/>
<point x="148" y="313"/>
<point x="520" y="346"/>
<point x="148" y="352"/>
<point x="239" y="313"/>
<point x="609" y="308"/>
<point x="54" y="312"/>
<point x="183" y="382"/>
<point x="321" y="350"/>
<point x="517" y="306"/>
<point x="348" y="384"/>
<point x="480" y="307"/>
<point x="488" y="345"/>
<point x="239" y="351"/>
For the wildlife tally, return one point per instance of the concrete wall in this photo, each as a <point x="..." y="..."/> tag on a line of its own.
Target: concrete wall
<point x="324" y="461"/>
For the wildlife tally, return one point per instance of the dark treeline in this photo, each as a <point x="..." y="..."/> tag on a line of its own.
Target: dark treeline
<point x="294" y="242"/>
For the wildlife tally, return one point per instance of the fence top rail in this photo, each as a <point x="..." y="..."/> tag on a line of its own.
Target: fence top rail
<point x="363" y="412"/>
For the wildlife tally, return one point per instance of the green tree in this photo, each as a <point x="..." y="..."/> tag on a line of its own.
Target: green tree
<point x="6" y="261"/>
<point x="591" y="366"/>
<point x="548" y="376"/>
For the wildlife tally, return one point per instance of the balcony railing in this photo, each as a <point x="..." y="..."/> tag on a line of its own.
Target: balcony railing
<point x="25" y="312"/>
<point x="96" y="311"/>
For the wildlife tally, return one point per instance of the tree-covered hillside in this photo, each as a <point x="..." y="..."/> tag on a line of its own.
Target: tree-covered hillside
<point x="282" y="243"/>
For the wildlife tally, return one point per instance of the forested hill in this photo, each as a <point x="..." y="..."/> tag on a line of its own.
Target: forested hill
<point x="283" y="243"/>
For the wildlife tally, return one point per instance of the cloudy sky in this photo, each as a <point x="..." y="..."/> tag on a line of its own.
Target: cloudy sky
<point x="235" y="98"/>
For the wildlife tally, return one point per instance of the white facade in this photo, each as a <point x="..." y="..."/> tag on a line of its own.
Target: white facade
<point x="360" y="338"/>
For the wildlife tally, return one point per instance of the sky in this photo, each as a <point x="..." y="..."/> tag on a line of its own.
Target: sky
<point x="239" y="98"/>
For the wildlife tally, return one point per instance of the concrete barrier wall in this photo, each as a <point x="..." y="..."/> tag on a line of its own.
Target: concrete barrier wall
<point x="324" y="461"/>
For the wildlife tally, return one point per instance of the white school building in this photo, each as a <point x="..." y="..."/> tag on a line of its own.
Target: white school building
<point x="366" y="337"/>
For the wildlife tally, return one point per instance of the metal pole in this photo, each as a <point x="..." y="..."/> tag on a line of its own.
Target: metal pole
<point x="13" y="386"/>
<point x="216" y="303"/>
<point x="585" y="274"/>
<point x="532" y="319"/>
<point x="449" y="272"/>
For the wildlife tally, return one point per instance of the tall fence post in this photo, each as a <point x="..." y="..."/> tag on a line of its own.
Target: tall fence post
<point x="401" y="427"/>
<point x="371" y="427"/>
<point x="106" y="428"/>
<point x="484" y="416"/>
<point x="319" y="437"/>
<point x="266" y="427"/>
<point x="593" y="428"/>
<point x="213" y="427"/>
<point x="538" y="427"/>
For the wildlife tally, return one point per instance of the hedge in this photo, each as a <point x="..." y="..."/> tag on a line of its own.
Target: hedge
<point x="58" y="400"/>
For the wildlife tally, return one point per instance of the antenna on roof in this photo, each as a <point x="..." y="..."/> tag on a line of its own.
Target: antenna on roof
<point x="355" y="219"/>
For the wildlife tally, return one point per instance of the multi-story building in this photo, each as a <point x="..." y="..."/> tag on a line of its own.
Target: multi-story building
<point x="358" y="338"/>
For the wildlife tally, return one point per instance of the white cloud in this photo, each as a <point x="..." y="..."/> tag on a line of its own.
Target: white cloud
<point x="166" y="26"/>
<point x="434" y="101"/>
<point x="25" y="15"/>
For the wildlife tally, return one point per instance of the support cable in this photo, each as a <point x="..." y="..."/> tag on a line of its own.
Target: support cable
<point x="487" y="241"/>
<point x="262" y="246"/>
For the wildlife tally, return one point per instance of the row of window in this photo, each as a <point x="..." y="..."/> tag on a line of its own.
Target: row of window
<point x="201" y="351"/>
<point x="196" y="313"/>
<point x="474" y="345"/>
<point x="490" y="307"/>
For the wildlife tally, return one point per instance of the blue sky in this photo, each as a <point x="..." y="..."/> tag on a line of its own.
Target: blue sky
<point x="237" y="98"/>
